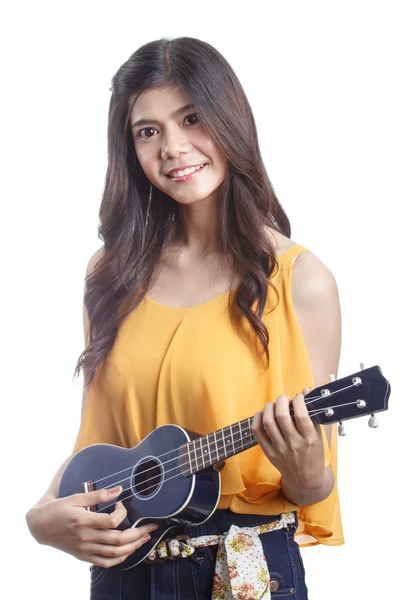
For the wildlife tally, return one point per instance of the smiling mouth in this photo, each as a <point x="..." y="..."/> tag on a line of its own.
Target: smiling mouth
<point x="188" y="176"/>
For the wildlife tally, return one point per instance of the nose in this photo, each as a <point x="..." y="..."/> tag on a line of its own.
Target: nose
<point x="174" y="143"/>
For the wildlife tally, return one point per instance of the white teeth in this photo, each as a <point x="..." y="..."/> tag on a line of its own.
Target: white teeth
<point x="186" y="171"/>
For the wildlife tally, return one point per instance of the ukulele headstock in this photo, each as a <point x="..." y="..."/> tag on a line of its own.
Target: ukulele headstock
<point x="363" y="393"/>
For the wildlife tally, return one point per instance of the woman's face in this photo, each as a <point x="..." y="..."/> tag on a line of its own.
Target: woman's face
<point x="172" y="139"/>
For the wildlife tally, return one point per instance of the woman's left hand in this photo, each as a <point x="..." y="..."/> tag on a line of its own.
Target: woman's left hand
<point x="295" y="449"/>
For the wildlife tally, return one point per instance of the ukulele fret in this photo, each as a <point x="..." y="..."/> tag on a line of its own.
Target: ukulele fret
<point x="216" y="445"/>
<point x="195" y="456"/>
<point x="203" y="452"/>
<point x="240" y="433"/>
<point x="190" y="460"/>
<point x="224" y="453"/>
<point x="209" y="451"/>
<point x="233" y="440"/>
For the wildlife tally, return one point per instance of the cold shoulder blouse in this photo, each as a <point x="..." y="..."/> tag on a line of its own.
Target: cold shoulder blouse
<point x="188" y="366"/>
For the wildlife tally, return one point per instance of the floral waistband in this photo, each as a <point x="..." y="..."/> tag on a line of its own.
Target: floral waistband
<point x="241" y="569"/>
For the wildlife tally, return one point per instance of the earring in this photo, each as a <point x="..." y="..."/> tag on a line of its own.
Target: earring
<point x="148" y="205"/>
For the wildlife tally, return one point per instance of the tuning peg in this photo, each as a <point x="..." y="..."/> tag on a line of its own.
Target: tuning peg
<point x="342" y="429"/>
<point x="373" y="421"/>
<point x="332" y="377"/>
<point x="362" y="366"/>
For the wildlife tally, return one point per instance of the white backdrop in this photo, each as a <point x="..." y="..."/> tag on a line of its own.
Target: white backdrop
<point x="322" y="79"/>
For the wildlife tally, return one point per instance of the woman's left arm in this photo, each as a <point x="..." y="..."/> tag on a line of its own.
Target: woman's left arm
<point x="296" y="449"/>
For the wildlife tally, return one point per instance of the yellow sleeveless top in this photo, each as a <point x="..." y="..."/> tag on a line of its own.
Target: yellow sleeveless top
<point x="188" y="366"/>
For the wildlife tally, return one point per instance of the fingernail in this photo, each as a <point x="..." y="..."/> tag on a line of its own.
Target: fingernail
<point x="146" y="538"/>
<point x="115" y="490"/>
<point x="153" y="528"/>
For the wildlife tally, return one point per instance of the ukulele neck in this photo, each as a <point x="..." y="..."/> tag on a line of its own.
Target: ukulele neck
<point x="210" y="449"/>
<point x="366" y="391"/>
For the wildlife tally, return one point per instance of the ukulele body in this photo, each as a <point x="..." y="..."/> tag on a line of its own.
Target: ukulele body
<point x="157" y="487"/>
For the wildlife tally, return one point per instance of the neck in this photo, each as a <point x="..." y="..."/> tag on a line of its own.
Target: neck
<point x="198" y="228"/>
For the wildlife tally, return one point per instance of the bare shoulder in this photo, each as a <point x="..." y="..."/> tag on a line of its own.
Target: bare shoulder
<point x="312" y="281"/>
<point x="89" y="269"/>
<point x="310" y="274"/>
<point x="94" y="259"/>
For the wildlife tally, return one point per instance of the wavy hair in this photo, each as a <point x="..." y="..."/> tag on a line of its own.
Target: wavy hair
<point x="247" y="201"/>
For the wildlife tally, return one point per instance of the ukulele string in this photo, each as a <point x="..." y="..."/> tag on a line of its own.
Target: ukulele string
<point x="180" y="466"/>
<point x="313" y="412"/>
<point x="131" y="495"/>
<point x="131" y="467"/>
<point x="323" y="398"/>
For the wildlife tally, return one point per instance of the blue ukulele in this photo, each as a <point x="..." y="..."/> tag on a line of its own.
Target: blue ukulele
<point x="172" y="477"/>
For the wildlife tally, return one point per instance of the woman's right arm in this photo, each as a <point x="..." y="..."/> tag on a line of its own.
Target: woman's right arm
<point x="64" y="523"/>
<point x="52" y="491"/>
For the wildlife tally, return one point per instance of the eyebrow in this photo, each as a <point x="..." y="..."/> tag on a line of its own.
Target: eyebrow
<point x="174" y="114"/>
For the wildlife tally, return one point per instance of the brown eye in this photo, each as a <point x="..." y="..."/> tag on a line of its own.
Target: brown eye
<point x="145" y="129"/>
<point x="191" y="116"/>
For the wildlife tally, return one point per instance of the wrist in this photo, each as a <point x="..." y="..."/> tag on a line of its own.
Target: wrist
<point x="303" y="493"/>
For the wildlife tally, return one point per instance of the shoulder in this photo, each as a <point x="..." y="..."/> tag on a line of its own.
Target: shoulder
<point x="94" y="259"/>
<point x="313" y="283"/>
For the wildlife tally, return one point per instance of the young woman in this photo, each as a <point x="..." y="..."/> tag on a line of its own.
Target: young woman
<point x="200" y="310"/>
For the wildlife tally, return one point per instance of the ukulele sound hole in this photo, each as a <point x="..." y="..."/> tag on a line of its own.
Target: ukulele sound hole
<point x="147" y="478"/>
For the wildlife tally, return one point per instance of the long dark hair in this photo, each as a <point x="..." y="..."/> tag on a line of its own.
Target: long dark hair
<point x="248" y="202"/>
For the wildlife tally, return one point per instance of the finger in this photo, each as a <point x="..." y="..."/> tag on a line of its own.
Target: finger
<point x="304" y="424"/>
<point x="261" y="436"/>
<point x="106" y="563"/>
<point x="284" y="419"/>
<point x="114" y="537"/>
<point x="270" y="426"/>
<point x="104" y="521"/>
<point x="87" y="499"/>
<point x="116" y="551"/>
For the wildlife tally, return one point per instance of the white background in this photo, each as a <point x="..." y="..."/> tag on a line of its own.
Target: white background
<point x="323" y="81"/>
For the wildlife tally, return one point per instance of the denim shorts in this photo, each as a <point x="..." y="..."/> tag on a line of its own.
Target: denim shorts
<point x="192" y="578"/>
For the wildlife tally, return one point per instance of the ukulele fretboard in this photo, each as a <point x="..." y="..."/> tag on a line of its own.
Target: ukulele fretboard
<point x="215" y="447"/>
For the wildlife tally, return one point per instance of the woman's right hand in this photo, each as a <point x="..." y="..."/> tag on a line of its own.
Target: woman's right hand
<point x="64" y="523"/>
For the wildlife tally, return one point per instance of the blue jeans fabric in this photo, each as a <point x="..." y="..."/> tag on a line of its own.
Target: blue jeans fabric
<point x="192" y="578"/>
